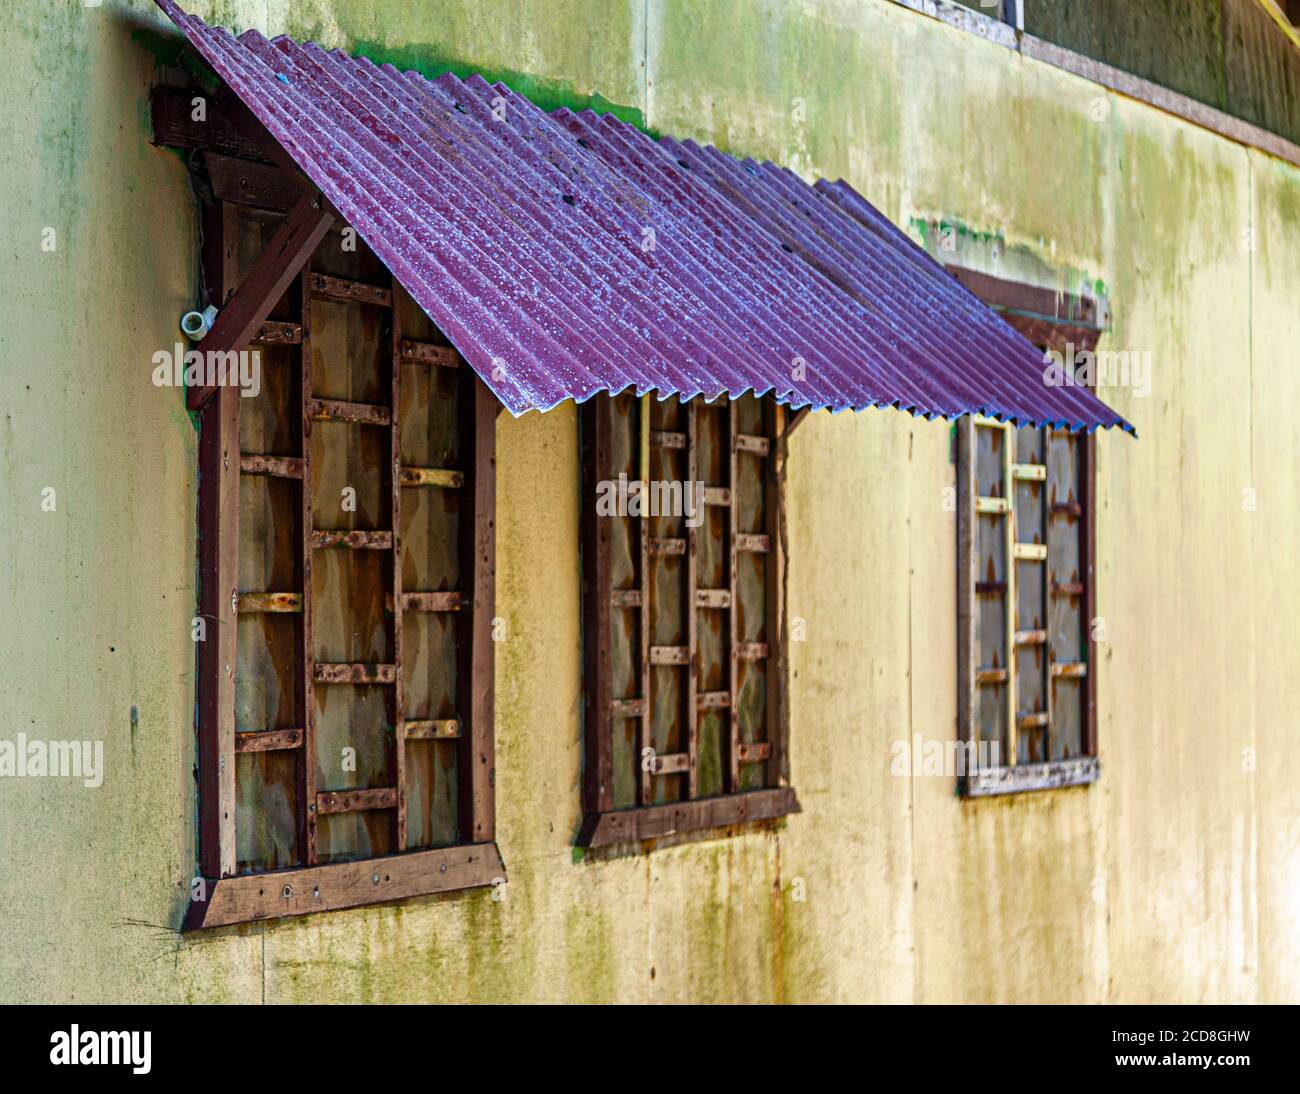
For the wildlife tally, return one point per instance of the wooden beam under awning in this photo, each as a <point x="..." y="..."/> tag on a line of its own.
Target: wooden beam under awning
<point x="1048" y="318"/>
<point x="239" y="321"/>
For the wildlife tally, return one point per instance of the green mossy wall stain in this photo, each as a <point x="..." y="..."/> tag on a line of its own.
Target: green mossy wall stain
<point x="591" y="954"/>
<point x="780" y="905"/>
<point x="1280" y="183"/>
<point x="547" y="93"/>
<point x="976" y="247"/>
<point x="923" y="227"/>
<point x="491" y="977"/>
<point x="712" y="926"/>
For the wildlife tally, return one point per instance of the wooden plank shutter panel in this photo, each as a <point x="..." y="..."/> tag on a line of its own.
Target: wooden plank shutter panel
<point x="270" y="844"/>
<point x="1026" y="675"/>
<point x="683" y="622"/>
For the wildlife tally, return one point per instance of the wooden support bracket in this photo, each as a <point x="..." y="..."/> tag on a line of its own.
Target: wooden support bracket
<point x="240" y="320"/>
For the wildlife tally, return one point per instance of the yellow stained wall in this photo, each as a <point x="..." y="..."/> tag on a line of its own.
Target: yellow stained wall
<point x="1177" y="876"/>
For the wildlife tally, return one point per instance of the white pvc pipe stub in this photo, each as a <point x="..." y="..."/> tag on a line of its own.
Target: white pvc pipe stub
<point x="196" y="324"/>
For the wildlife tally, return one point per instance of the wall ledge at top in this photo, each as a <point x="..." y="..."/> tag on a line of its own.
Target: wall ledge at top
<point x="1107" y="76"/>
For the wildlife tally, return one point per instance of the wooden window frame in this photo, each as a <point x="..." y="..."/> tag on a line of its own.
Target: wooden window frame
<point x="1048" y="318"/>
<point x="1012" y="776"/>
<point x="227" y="897"/>
<point x="603" y="824"/>
<point x="1052" y="321"/>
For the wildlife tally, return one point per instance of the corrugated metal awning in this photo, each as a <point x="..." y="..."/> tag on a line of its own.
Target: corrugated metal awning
<point x="566" y="254"/>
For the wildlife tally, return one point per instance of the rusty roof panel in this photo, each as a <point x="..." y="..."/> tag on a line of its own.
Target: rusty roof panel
<point x="565" y="254"/>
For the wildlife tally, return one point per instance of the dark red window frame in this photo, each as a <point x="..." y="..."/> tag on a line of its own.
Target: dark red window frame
<point x="236" y="166"/>
<point x="610" y="605"/>
<point x="1066" y="512"/>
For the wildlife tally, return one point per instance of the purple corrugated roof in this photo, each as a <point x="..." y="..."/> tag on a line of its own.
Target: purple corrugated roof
<point x="565" y="254"/>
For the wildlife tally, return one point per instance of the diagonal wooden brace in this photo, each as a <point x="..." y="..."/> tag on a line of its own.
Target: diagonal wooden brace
<point x="243" y="314"/>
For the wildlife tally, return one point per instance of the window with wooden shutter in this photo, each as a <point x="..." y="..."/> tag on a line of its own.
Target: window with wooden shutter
<point x="1026" y="595"/>
<point x="346" y="572"/>
<point x="1027" y="670"/>
<point x="683" y="616"/>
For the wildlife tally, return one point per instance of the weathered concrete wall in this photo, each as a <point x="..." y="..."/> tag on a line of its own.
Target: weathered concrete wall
<point x="1229" y="54"/>
<point x="1177" y="876"/>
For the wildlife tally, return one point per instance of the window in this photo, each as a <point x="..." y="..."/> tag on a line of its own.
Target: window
<point x="1027" y="689"/>
<point x="683" y="616"/>
<point x="1027" y="680"/>
<point x="346" y="575"/>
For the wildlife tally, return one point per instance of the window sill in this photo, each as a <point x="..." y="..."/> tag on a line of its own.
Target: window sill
<point x="1025" y="777"/>
<point x="658" y="821"/>
<point x="252" y="898"/>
